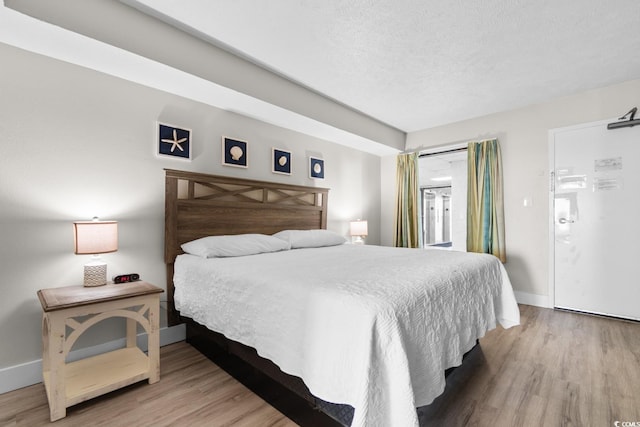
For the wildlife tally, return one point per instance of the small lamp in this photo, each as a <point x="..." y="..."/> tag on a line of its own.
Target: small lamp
<point x="358" y="230"/>
<point x="95" y="237"/>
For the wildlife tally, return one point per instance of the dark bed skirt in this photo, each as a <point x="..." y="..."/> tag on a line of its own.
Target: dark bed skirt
<point x="285" y="392"/>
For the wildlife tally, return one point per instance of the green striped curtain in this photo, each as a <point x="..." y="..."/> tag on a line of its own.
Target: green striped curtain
<point x="407" y="234"/>
<point x="485" y="203"/>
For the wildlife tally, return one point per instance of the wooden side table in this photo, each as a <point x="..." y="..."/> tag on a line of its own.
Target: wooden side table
<point x="76" y="309"/>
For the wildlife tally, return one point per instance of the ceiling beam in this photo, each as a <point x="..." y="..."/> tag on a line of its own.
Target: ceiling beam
<point x="275" y="99"/>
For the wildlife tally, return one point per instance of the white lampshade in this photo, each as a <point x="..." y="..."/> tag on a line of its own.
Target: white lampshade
<point x="358" y="228"/>
<point x="95" y="237"/>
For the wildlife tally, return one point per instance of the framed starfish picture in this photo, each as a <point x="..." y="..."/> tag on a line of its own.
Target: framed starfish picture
<point x="174" y="142"/>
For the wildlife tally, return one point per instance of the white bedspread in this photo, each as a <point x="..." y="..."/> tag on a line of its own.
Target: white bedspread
<point x="373" y="327"/>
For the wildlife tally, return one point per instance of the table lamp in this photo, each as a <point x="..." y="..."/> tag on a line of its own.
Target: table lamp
<point x="95" y="238"/>
<point x="358" y="230"/>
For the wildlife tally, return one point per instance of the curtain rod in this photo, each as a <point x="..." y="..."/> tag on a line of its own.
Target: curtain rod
<point x="434" y="187"/>
<point x="454" y="150"/>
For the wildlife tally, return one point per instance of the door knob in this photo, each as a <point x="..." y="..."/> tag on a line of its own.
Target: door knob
<point x="565" y="220"/>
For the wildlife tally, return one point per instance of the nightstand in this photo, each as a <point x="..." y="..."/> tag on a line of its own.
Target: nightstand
<point x="70" y="311"/>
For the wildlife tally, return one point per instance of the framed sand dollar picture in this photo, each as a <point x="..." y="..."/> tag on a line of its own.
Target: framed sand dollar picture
<point x="316" y="168"/>
<point x="280" y="161"/>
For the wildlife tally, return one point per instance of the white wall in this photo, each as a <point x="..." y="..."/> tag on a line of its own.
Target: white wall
<point x="523" y="136"/>
<point x="387" y="199"/>
<point x="75" y="143"/>
<point x="122" y="26"/>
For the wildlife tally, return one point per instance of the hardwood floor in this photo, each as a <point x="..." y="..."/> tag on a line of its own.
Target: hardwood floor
<point x="192" y="392"/>
<point x="556" y="369"/>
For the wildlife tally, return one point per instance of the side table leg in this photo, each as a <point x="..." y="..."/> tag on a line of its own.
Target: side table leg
<point x="56" y="364"/>
<point x="154" y="339"/>
<point x="46" y="368"/>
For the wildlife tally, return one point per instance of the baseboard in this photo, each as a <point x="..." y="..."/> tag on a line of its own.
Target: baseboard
<point x="26" y="374"/>
<point x="532" y="299"/>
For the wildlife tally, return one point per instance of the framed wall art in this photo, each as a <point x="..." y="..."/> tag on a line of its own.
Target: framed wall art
<point x="234" y="152"/>
<point x="173" y="142"/>
<point x="280" y="161"/>
<point x="316" y="168"/>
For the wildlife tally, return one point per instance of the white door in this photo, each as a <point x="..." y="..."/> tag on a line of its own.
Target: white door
<point x="596" y="219"/>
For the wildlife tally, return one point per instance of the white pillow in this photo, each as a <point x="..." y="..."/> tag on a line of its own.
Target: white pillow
<point x="310" y="238"/>
<point x="234" y="245"/>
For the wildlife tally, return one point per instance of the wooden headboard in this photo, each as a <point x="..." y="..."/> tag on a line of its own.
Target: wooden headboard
<point x="199" y="205"/>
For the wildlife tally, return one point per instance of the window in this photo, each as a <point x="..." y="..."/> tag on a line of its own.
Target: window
<point x="443" y="192"/>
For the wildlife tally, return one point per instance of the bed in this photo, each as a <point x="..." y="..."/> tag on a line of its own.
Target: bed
<point x="356" y="331"/>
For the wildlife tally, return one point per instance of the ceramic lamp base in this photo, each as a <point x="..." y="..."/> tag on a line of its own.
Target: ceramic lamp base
<point x="95" y="274"/>
<point x="357" y="240"/>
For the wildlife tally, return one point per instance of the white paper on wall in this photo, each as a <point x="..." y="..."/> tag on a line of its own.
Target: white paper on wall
<point x="608" y="174"/>
<point x="603" y="183"/>
<point x="605" y="165"/>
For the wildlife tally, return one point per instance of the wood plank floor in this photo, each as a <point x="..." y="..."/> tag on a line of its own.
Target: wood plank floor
<point x="192" y="391"/>
<point x="557" y="369"/>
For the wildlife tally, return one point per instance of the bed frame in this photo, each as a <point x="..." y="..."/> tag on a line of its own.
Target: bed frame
<point x="199" y="205"/>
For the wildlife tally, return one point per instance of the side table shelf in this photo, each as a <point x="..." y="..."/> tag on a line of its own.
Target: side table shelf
<point x="94" y="376"/>
<point x="70" y="311"/>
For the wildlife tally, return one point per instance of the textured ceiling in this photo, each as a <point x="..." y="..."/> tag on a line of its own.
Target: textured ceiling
<point x="415" y="64"/>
